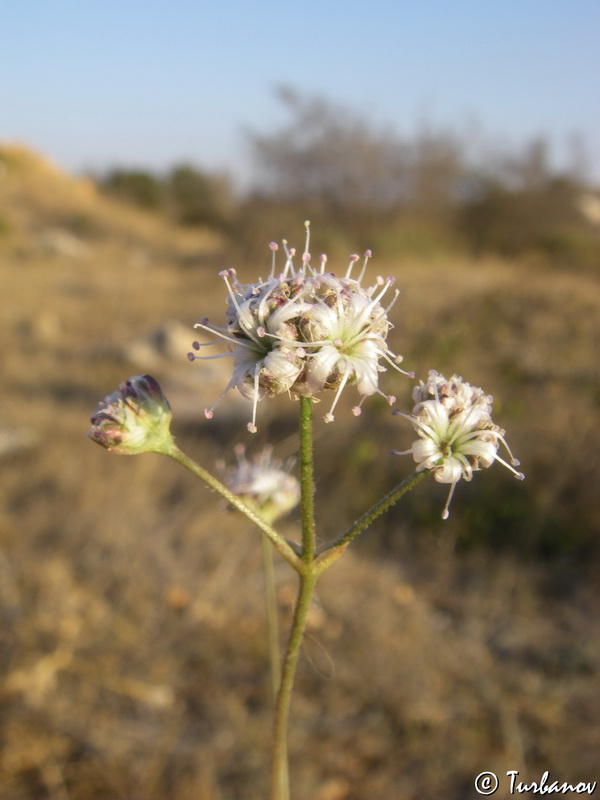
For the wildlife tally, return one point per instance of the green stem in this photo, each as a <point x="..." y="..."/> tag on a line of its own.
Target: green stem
<point x="306" y="480"/>
<point x="333" y="551"/>
<point x="280" y="544"/>
<point x="280" y="789"/>
<point x="279" y="769"/>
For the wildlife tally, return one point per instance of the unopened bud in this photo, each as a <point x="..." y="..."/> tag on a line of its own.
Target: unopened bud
<point x="134" y="419"/>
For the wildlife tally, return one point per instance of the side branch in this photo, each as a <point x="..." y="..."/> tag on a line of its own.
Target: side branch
<point x="280" y="544"/>
<point x="331" y="552"/>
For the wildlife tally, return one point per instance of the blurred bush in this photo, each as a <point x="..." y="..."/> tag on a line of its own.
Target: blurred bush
<point x="186" y="194"/>
<point x="430" y="193"/>
<point x="423" y="194"/>
<point x="134" y="186"/>
<point x="194" y="197"/>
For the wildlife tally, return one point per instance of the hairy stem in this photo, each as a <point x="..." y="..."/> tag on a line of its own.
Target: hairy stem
<point x="279" y="768"/>
<point x="333" y="551"/>
<point x="306" y="480"/>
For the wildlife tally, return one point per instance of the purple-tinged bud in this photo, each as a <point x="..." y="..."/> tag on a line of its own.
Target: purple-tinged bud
<point x="134" y="419"/>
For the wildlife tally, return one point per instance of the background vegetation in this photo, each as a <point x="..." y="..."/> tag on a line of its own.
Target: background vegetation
<point x="132" y="642"/>
<point x="435" y="191"/>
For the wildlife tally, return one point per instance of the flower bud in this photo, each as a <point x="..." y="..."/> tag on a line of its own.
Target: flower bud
<point x="134" y="419"/>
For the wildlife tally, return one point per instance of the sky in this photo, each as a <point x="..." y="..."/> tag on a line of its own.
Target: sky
<point x="151" y="83"/>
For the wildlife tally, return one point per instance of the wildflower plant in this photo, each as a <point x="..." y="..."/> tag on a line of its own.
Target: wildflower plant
<point x="300" y="332"/>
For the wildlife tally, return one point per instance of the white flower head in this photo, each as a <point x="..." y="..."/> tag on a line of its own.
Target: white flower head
<point x="457" y="436"/>
<point x="345" y="335"/>
<point x="304" y="330"/>
<point x="264" y="483"/>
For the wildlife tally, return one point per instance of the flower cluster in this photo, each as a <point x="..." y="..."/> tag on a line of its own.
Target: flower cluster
<point x="264" y="483"/>
<point x="456" y="433"/>
<point x="134" y="419"/>
<point x="304" y="330"/>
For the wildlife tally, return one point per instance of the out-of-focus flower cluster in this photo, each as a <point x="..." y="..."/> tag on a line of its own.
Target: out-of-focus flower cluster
<point x="264" y="483"/>
<point x="134" y="419"/>
<point x="457" y="436"/>
<point x="304" y="330"/>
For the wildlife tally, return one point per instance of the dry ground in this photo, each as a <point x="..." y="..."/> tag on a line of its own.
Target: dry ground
<point x="132" y="645"/>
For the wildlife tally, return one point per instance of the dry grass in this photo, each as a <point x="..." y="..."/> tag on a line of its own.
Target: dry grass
<point x="132" y="642"/>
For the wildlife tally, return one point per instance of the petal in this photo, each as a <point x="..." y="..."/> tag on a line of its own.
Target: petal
<point x="425" y="449"/>
<point x="450" y="471"/>
<point x="366" y="374"/>
<point x="436" y="417"/>
<point x="484" y="452"/>
<point x="321" y="365"/>
<point x="279" y="371"/>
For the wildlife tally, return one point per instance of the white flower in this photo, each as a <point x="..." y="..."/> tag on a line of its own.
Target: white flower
<point x="264" y="483"/>
<point x="262" y="337"/>
<point x="457" y="434"/>
<point x="304" y="330"/>
<point x="345" y="335"/>
<point x="454" y="394"/>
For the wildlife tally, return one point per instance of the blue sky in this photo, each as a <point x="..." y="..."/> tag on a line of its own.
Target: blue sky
<point x="151" y="82"/>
